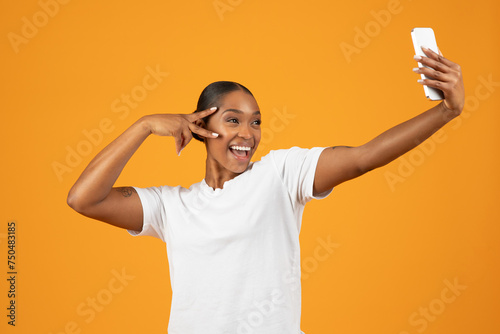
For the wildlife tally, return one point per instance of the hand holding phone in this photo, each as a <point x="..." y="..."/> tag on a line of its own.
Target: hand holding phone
<point x="425" y="37"/>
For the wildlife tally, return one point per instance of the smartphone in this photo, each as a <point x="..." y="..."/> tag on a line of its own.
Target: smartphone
<point x="425" y="37"/>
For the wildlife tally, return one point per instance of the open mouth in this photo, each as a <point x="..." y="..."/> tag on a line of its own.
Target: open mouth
<point x="240" y="152"/>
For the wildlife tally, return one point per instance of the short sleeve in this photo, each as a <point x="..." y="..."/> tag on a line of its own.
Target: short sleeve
<point x="297" y="168"/>
<point x="154" y="214"/>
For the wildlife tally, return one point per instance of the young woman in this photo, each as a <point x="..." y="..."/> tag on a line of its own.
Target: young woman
<point x="233" y="239"/>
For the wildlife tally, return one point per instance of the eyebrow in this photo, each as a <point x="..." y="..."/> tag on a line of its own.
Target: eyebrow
<point x="240" y="112"/>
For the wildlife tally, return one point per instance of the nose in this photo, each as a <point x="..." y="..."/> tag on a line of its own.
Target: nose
<point x="245" y="132"/>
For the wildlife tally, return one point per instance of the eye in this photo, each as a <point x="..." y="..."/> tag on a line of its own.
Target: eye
<point x="232" y="120"/>
<point x="257" y="122"/>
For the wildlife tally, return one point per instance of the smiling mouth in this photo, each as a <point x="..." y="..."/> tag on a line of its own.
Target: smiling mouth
<point x="240" y="152"/>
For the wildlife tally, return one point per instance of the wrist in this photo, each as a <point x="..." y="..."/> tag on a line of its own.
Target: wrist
<point x="145" y="124"/>
<point x="448" y="113"/>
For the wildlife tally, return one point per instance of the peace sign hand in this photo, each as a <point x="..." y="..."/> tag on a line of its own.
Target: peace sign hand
<point x="446" y="76"/>
<point x="180" y="126"/>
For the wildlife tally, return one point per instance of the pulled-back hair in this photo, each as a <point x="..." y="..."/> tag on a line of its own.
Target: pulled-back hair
<point x="211" y="95"/>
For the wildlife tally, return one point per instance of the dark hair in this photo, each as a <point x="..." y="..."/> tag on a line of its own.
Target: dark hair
<point x="211" y="95"/>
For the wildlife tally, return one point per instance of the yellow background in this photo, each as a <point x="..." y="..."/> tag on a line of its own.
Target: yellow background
<point x="397" y="243"/>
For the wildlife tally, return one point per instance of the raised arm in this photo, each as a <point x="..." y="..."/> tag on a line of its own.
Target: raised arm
<point x="343" y="163"/>
<point x="93" y="194"/>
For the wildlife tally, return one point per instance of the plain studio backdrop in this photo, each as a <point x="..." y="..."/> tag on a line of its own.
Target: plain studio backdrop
<point x="409" y="248"/>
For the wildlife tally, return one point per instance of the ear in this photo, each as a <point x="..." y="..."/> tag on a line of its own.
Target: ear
<point x="201" y="123"/>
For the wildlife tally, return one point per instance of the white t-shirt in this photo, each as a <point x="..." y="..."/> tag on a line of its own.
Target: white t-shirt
<point x="234" y="253"/>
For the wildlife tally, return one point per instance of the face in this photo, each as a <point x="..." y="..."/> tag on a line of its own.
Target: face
<point x="237" y="121"/>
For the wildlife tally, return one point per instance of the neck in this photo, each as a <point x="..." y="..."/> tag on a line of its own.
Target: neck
<point x="216" y="175"/>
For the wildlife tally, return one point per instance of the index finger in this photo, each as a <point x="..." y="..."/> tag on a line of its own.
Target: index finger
<point x="439" y="57"/>
<point x="201" y="114"/>
<point x="202" y="132"/>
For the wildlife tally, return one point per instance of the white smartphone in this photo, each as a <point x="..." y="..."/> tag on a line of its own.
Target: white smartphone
<point x="425" y="37"/>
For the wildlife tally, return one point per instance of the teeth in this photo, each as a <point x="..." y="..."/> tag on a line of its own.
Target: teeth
<point x="241" y="148"/>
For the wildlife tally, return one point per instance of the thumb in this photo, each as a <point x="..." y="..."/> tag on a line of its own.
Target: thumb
<point x="178" y="143"/>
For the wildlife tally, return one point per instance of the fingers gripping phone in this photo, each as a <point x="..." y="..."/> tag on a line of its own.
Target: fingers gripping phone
<point x="425" y="37"/>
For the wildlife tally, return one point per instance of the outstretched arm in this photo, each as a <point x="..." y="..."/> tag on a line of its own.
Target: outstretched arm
<point x="343" y="163"/>
<point x="93" y="194"/>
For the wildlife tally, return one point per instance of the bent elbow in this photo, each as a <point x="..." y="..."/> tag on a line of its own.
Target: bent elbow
<point x="74" y="202"/>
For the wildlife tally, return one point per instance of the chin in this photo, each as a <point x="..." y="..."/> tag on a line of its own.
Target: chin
<point x="238" y="169"/>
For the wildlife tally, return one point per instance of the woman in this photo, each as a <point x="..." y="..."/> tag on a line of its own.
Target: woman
<point x="233" y="239"/>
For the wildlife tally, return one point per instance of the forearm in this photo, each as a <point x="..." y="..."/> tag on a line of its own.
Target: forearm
<point x="402" y="138"/>
<point x="98" y="178"/>
<point x="343" y="164"/>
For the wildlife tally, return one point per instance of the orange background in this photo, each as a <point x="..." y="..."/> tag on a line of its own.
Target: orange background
<point x="401" y="232"/>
